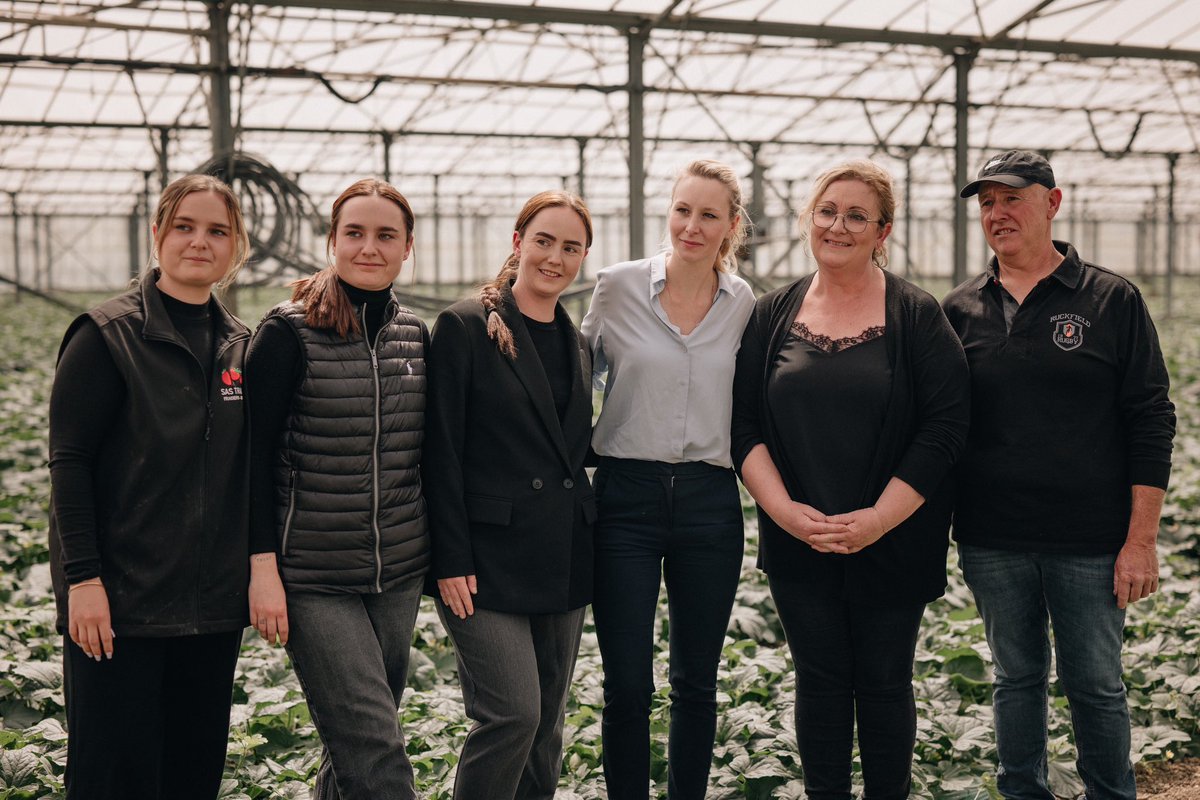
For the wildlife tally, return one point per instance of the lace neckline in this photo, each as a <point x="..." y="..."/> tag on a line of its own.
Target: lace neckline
<point x="828" y="344"/>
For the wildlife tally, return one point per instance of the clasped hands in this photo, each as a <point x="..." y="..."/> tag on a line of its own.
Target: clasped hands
<point x="838" y="533"/>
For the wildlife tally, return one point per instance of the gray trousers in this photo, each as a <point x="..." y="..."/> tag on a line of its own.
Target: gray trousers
<point x="350" y="652"/>
<point x="515" y="670"/>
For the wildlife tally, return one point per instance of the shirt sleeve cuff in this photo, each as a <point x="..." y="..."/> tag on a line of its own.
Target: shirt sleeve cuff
<point x="1150" y="473"/>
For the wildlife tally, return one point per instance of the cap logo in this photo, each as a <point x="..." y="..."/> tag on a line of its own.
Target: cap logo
<point x="995" y="162"/>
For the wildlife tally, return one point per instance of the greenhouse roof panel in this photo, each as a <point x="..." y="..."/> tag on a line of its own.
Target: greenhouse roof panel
<point x="472" y="90"/>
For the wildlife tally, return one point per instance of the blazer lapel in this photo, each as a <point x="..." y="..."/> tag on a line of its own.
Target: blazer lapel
<point x="578" y="419"/>
<point x="529" y="370"/>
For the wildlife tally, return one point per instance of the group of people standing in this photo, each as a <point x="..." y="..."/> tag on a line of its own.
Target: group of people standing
<point x="315" y="479"/>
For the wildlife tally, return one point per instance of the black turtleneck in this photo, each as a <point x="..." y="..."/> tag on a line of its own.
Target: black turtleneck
<point x="274" y="370"/>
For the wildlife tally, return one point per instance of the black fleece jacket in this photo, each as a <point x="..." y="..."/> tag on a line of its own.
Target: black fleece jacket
<point x="161" y="516"/>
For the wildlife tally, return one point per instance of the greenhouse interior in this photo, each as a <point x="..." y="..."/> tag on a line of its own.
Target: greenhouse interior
<point x="469" y="108"/>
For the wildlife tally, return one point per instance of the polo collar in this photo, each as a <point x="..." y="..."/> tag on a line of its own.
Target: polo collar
<point x="1069" y="273"/>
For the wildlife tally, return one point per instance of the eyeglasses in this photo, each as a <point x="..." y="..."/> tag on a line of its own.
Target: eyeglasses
<point x="855" y="221"/>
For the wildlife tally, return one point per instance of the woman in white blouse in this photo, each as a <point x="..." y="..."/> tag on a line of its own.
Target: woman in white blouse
<point x="666" y="330"/>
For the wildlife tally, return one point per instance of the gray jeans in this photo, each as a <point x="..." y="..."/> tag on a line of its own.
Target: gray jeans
<point x="350" y="652"/>
<point x="515" y="670"/>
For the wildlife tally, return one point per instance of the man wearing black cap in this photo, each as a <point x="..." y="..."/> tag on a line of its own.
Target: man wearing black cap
<point x="1062" y="482"/>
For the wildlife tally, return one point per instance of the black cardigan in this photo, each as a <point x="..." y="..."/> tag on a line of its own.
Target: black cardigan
<point x="508" y="498"/>
<point x="923" y="433"/>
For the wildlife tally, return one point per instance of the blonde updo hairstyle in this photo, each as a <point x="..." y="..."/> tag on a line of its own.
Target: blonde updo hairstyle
<point x="724" y="175"/>
<point x="168" y="207"/>
<point x="489" y="293"/>
<point x="874" y="176"/>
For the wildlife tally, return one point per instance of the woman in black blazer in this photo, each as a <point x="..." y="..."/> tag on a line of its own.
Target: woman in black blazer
<point x="511" y="509"/>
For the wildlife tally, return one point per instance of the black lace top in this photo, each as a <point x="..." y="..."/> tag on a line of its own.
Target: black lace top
<point x="828" y="345"/>
<point x="828" y="398"/>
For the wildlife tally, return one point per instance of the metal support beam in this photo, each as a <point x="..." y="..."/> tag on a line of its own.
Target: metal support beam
<point x="437" y="233"/>
<point x="1171" y="237"/>
<point x="164" y="167"/>
<point x="929" y="147"/>
<point x="134" y="236"/>
<point x="757" y="28"/>
<point x="16" y="246"/>
<point x="579" y="184"/>
<point x="36" y="280"/>
<point x="636" y="39"/>
<point x="108" y="65"/>
<point x="908" y="216"/>
<point x="48" y="253"/>
<point x="962" y="72"/>
<point x="386" y="139"/>
<point x="758" y="206"/>
<point x="220" y="113"/>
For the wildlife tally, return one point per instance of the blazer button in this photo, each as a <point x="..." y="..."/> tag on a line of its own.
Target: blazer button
<point x="568" y="483"/>
<point x="537" y="483"/>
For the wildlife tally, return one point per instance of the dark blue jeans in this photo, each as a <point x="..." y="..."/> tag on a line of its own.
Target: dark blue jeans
<point x="1019" y="596"/>
<point x="854" y="662"/>
<point x="350" y="652"/>
<point x="681" y="522"/>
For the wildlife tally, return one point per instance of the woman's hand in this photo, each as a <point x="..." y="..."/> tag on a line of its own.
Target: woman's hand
<point x="807" y="524"/>
<point x="268" y="601"/>
<point x="456" y="594"/>
<point x="863" y="528"/>
<point x="89" y="620"/>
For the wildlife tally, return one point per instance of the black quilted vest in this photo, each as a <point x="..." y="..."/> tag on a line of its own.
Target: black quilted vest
<point x="351" y="514"/>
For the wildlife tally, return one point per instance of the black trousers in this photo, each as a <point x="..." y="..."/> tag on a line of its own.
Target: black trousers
<point x="152" y="723"/>
<point x="680" y="524"/>
<point x="853" y="663"/>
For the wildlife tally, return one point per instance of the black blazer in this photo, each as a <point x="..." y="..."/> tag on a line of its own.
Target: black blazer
<point x="508" y="498"/>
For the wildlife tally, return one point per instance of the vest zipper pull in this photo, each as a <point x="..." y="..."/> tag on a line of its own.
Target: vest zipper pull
<point x="208" y="420"/>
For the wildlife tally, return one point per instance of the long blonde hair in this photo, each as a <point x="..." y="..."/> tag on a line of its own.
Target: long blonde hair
<point x="489" y="293"/>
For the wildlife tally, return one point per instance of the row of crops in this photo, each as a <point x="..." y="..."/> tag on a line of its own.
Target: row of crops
<point x="273" y="747"/>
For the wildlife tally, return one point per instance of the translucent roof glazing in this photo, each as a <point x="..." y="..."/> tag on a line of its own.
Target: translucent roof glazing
<point x="483" y="103"/>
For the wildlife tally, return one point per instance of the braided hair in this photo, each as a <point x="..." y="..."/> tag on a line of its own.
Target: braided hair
<point x="489" y="293"/>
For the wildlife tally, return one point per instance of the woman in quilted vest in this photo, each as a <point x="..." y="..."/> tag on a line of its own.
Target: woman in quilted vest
<point x="338" y="532"/>
<point x="148" y="543"/>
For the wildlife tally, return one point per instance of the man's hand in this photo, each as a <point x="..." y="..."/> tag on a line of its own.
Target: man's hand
<point x="1135" y="575"/>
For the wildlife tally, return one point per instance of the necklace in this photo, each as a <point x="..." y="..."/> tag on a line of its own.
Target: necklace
<point x="712" y="294"/>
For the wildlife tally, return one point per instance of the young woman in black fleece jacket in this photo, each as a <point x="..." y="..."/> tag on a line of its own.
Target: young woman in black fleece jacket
<point x="148" y="541"/>
<point x="850" y="403"/>
<point x="338" y="403"/>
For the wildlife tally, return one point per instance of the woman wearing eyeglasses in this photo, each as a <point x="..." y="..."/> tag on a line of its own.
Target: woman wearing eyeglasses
<point x="850" y="405"/>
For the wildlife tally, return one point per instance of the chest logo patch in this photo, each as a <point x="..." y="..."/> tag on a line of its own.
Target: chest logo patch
<point x="231" y="384"/>
<point x="1068" y="330"/>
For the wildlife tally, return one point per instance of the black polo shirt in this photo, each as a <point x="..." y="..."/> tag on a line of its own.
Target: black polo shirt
<point x="1069" y="409"/>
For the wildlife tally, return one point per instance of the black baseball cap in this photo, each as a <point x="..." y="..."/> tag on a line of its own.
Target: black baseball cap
<point x="1016" y="168"/>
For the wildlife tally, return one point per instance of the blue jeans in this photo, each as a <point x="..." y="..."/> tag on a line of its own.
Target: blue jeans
<point x="681" y="522"/>
<point x="1020" y="595"/>
<point x="350" y="652"/>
